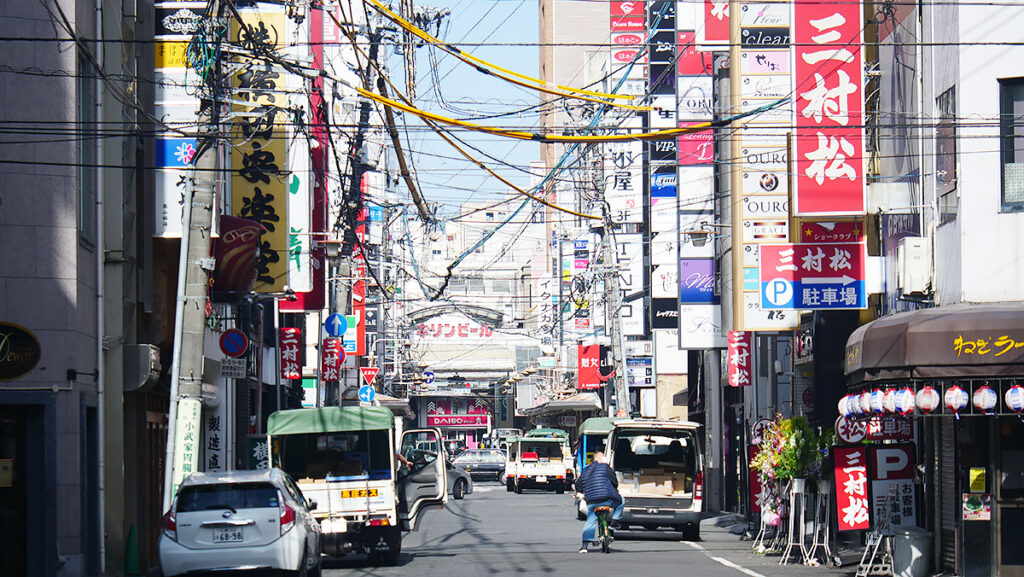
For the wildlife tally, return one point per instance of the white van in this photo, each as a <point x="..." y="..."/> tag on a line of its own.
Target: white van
<point x="661" y="473"/>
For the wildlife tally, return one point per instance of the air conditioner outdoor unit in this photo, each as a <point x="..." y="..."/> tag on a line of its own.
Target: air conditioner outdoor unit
<point x="914" y="265"/>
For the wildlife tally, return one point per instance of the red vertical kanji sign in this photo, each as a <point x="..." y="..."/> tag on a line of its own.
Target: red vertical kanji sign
<point x="288" y="346"/>
<point x="740" y="374"/>
<point x="853" y="508"/>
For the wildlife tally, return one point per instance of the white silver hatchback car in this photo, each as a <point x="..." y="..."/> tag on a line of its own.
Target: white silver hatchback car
<point x="240" y="520"/>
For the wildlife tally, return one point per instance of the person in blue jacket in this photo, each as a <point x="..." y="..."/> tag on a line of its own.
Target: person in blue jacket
<point x="599" y="486"/>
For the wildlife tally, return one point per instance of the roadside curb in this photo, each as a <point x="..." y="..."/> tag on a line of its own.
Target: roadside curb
<point x="726" y="540"/>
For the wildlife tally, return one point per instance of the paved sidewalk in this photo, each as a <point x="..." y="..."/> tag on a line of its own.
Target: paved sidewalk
<point x="721" y="539"/>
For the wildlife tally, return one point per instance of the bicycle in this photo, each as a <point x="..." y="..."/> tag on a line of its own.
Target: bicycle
<point x="604" y="533"/>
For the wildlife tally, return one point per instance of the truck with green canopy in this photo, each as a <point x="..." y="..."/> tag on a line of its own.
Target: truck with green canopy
<point x="343" y="460"/>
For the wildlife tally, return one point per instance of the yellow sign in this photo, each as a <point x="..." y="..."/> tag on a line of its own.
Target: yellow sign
<point x="356" y="493"/>
<point x="977" y="479"/>
<point x="258" y="158"/>
<point x="170" y="55"/>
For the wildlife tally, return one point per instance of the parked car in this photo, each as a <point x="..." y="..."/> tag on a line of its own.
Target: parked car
<point x="483" y="463"/>
<point x="460" y="483"/>
<point x="240" y="520"/>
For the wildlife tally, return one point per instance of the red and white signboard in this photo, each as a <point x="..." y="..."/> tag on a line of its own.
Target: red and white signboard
<point x="740" y="365"/>
<point x="829" y="91"/>
<point x="288" y="345"/>
<point x="851" y="474"/>
<point x="695" y="148"/>
<point x="850" y="430"/>
<point x="715" y="31"/>
<point x="369" y="373"/>
<point x="889" y="429"/>
<point x="332" y="354"/>
<point x="892" y="487"/>
<point x="632" y="8"/>
<point x="832" y="231"/>
<point x="589" y="373"/>
<point x="457" y="420"/>
<point x="690" y="61"/>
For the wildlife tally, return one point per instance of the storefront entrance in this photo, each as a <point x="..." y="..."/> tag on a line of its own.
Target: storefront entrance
<point x="21" y="483"/>
<point x="1009" y="496"/>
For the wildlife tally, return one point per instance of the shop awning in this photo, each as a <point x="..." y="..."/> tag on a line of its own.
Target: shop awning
<point x="957" y="341"/>
<point x="572" y="403"/>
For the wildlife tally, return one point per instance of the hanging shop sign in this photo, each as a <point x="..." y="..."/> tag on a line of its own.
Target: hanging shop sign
<point x="19" y="351"/>
<point x="289" y="344"/>
<point x="258" y="158"/>
<point x="739" y="359"/>
<point x="332" y="354"/>
<point x="813" y="276"/>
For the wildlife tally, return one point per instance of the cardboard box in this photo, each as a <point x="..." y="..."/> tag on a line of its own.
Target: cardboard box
<point x="680" y="484"/>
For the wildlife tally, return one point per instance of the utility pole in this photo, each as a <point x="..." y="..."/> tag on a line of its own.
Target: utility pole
<point x="614" y="295"/>
<point x="194" y="267"/>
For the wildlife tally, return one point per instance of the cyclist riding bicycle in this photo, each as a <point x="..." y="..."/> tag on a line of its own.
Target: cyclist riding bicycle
<point x="599" y="486"/>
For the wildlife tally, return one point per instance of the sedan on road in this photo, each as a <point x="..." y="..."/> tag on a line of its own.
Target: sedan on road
<point x="460" y="483"/>
<point x="483" y="463"/>
<point x="240" y="520"/>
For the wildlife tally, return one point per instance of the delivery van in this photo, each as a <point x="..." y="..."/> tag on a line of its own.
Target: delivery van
<point x="660" y="469"/>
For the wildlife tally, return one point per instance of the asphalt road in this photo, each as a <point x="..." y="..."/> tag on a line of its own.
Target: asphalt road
<point x="493" y="533"/>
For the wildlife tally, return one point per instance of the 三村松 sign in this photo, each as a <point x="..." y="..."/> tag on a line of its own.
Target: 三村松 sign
<point x="457" y="420"/>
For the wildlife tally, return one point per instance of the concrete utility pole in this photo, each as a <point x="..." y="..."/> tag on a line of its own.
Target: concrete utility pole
<point x="611" y="287"/>
<point x="194" y="267"/>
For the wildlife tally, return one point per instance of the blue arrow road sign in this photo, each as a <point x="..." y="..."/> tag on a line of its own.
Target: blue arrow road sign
<point x="429" y="376"/>
<point x="367" y="393"/>
<point x="336" y="325"/>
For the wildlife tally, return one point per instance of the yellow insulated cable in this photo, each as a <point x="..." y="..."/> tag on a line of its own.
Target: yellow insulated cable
<point x="521" y="135"/>
<point x="505" y="73"/>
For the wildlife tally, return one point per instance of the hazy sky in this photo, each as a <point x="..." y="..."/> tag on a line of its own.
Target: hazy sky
<point x="444" y="175"/>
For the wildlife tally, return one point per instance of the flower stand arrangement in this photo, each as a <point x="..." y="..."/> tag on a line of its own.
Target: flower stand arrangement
<point x="789" y="454"/>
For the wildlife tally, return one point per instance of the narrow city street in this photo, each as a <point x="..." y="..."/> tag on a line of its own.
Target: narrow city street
<point x="495" y="533"/>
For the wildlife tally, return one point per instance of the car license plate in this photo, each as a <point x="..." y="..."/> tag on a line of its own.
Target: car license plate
<point x="227" y="535"/>
<point x="542" y="479"/>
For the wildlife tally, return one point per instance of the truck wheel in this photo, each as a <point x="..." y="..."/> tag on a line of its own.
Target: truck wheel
<point x="508" y="485"/>
<point x="560" y="489"/>
<point x="691" y="533"/>
<point x="519" y="488"/>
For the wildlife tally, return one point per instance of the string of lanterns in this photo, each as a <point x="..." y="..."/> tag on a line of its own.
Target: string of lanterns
<point x="905" y="401"/>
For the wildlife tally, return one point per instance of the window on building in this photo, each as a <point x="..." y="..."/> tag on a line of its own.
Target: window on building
<point x="501" y="286"/>
<point x="86" y="88"/>
<point x="436" y="252"/>
<point x="945" y="156"/>
<point x="1011" y="142"/>
<point x="475" y="284"/>
<point x="457" y="284"/>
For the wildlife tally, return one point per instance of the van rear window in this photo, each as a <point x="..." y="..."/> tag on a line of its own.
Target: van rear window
<point x="639" y="450"/>
<point x="234" y="495"/>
